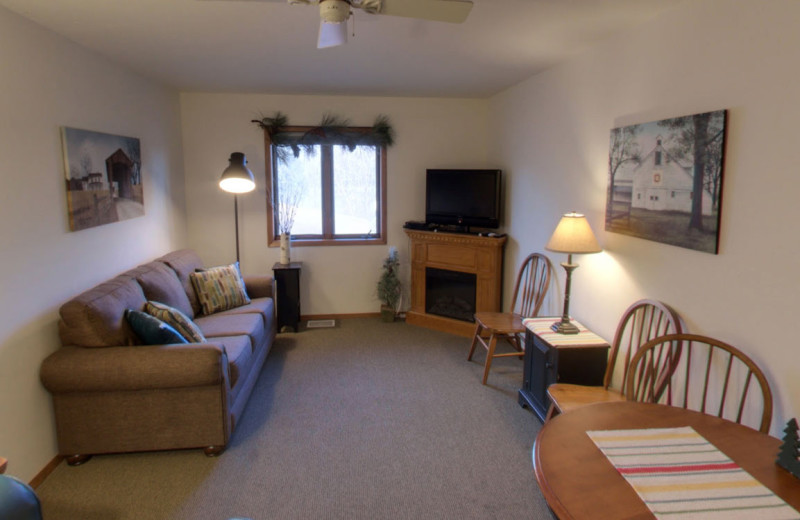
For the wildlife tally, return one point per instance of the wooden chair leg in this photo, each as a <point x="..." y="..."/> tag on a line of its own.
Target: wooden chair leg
<point x="489" y="356"/>
<point x="478" y="330"/>
<point x="552" y="411"/>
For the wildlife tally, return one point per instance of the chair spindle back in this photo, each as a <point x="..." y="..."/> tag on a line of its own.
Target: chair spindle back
<point x="641" y="322"/>
<point x="711" y="377"/>
<point x="530" y="288"/>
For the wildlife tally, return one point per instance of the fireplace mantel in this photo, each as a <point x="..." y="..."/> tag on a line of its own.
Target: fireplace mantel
<point x="480" y="255"/>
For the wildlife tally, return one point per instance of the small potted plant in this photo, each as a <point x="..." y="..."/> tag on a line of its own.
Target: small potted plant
<point x="389" y="286"/>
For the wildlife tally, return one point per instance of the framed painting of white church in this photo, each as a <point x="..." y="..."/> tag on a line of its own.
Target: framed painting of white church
<point x="665" y="180"/>
<point x="103" y="177"/>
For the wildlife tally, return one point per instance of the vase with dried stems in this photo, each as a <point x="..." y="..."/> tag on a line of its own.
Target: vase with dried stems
<point x="288" y="200"/>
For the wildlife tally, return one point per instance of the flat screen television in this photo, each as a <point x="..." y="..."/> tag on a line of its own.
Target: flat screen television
<point x="466" y="198"/>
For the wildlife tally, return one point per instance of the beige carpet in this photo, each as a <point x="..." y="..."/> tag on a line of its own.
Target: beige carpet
<point x="367" y="420"/>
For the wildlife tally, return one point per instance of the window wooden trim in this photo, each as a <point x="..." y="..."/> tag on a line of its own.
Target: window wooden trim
<point x="273" y="240"/>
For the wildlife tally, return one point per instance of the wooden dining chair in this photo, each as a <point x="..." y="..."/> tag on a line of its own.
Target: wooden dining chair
<point x="641" y="322"/>
<point x="711" y="377"/>
<point x="530" y="288"/>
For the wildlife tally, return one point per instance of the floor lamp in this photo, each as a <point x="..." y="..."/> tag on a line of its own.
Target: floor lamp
<point x="237" y="178"/>
<point x="573" y="235"/>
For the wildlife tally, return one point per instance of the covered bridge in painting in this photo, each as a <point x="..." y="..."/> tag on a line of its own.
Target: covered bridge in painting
<point x="119" y="168"/>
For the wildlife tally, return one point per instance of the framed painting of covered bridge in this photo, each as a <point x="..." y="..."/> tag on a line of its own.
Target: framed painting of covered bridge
<point x="665" y="180"/>
<point x="103" y="177"/>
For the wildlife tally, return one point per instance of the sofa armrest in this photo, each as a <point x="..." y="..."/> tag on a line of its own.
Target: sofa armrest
<point x="258" y="286"/>
<point x="81" y="369"/>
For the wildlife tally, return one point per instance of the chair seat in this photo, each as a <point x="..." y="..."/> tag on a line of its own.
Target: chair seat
<point x="500" y="322"/>
<point x="568" y="397"/>
<point x="533" y="280"/>
<point x="643" y="320"/>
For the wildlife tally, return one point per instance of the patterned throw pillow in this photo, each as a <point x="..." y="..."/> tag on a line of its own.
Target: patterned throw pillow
<point x="175" y="319"/>
<point x="151" y="330"/>
<point x="219" y="288"/>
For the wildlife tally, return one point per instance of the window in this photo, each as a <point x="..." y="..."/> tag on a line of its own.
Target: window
<point x="334" y="192"/>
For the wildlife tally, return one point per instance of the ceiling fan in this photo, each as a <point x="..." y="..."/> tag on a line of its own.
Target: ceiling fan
<point x="335" y="13"/>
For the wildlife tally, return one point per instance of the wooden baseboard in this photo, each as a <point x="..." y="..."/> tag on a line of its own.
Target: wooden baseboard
<point x="51" y="466"/>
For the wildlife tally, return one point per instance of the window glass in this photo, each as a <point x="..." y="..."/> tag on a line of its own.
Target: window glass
<point x="298" y="191"/>
<point x="330" y="192"/>
<point x="355" y="190"/>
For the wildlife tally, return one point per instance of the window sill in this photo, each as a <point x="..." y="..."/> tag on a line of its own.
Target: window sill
<point x="312" y="242"/>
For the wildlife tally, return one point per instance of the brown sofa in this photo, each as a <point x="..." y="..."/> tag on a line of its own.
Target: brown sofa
<point x="112" y="394"/>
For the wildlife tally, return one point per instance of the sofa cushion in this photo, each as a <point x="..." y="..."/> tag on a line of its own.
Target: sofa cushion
<point x="177" y="320"/>
<point x="219" y="288"/>
<point x="160" y="283"/>
<point x="184" y="262"/>
<point x="265" y="307"/>
<point x="239" y="356"/>
<point x="225" y="324"/>
<point x="96" y="318"/>
<point x="151" y="330"/>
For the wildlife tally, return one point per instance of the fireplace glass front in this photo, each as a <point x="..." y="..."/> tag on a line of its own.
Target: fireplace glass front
<point x="450" y="293"/>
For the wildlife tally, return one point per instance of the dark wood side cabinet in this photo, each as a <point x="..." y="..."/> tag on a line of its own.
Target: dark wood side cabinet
<point x="564" y="358"/>
<point x="287" y="299"/>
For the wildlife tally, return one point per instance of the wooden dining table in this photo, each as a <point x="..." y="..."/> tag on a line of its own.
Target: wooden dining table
<point x="579" y="482"/>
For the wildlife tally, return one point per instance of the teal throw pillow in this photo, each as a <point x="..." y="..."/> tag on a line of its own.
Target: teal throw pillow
<point x="177" y="320"/>
<point x="151" y="330"/>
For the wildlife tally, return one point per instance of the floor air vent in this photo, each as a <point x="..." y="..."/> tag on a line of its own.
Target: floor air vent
<point x="320" y="324"/>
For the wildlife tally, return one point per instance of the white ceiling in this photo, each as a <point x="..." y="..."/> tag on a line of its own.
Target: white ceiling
<point x="270" y="46"/>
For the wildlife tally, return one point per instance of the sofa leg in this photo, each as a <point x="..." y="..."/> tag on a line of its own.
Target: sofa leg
<point x="77" y="460"/>
<point x="213" y="451"/>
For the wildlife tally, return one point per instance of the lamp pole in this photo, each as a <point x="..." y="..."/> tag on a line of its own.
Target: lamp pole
<point x="236" y="222"/>
<point x="565" y="326"/>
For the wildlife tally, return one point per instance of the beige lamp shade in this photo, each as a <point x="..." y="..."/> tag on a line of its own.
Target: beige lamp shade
<point x="573" y="235"/>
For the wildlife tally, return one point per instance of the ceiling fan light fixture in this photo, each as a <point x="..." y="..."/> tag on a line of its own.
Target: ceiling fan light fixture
<point x="334" y="11"/>
<point x="331" y="34"/>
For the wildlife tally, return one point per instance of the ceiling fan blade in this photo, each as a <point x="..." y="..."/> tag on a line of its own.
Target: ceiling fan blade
<point x="332" y="34"/>
<point x="453" y="11"/>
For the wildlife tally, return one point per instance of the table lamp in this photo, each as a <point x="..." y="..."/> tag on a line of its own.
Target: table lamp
<point x="237" y="178"/>
<point x="573" y="235"/>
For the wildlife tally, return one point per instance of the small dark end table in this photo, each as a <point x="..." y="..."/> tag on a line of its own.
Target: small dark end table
<point x="287" y="299"/>
<point x="551" y="357"/>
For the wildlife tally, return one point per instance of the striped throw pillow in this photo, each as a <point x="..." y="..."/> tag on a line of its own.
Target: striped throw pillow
<point x="219" y="288"/>
<point x="175" y="319"/>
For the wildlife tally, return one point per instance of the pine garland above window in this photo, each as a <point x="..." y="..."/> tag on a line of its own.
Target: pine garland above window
<point x="331" y="130"/>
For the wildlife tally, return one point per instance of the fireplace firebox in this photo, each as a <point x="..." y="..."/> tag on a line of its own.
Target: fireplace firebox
<point x="450" y="293"/>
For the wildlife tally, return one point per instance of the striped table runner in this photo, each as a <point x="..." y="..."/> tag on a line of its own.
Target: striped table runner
<point x="541" y="327"/>
<point x="679" y="474"/>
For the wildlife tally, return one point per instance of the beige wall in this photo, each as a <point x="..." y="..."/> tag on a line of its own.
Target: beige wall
<point x="335" y="280"/>
<point x="47" y="82"/>
<point x="552" y="139"/>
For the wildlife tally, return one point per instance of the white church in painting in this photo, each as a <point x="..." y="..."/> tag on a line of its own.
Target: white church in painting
<point x="658" y="182"/>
